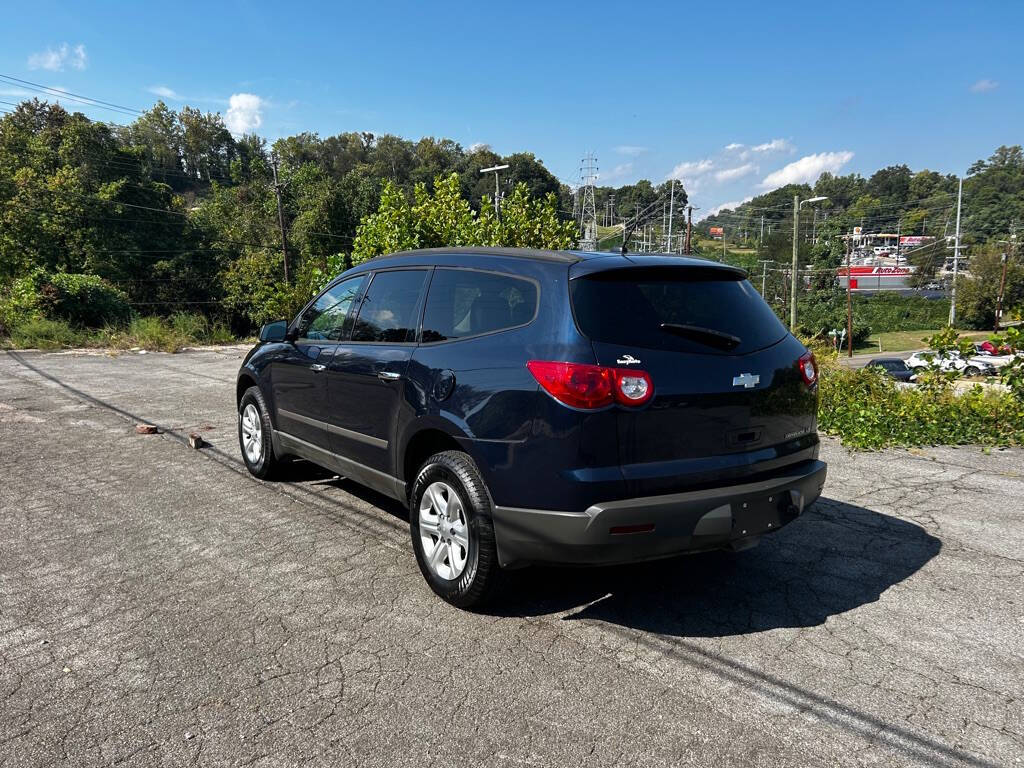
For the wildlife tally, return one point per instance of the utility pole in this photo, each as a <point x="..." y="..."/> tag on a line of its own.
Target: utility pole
<point x="899" y="228"/>
<point x="849" y="304"/>
<point x="671" y="208"/>
<point x="1002" y="280"/>
<point x="792" y="290"/>
<point x="760" y="240"/>
<point x="689" y="227"/>
<point x="764" y="276"/>
<point x="496" y="169"/>
<point x="956" y="254"/>
<point x="278" y="188"/>
<point x="723" y="243"/>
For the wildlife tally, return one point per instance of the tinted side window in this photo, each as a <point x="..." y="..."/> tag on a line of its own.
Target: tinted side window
<point x="327" y="318"/>
<point x="389" y="308"/>
<point x="465" y="303"/>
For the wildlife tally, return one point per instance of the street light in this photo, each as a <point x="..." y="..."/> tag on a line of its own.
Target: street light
<point x="497" y="194"/>
<point x="797" y="203"/>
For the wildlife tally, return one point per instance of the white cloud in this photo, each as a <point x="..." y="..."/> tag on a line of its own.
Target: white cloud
<point x="618" y="172"/>
<point x="691" y="168"/>
<point x="731" y="174"/>
<point x="629" y="150"/>
<point x="984" y="86"/>
<point x="54" y="59"/>
<point x="775" y="145"/>
<point x="478" y="147"/>
<point x="245" y="113"/>
<point x="807" y="169"/>
<point x="164" y="92"/>
<point x="733" y="147"/>
<point x="732" y="205"/>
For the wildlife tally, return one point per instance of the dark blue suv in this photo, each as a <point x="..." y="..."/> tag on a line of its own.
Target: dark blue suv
<point x="543" y="407"/>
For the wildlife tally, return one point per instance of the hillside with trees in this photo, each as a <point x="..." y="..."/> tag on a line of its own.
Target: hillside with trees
<point x="172" y="213"/>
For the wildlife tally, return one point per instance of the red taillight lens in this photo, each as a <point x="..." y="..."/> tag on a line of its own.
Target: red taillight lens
<point x="592" y="386"/>
<point x="808" y="368"/>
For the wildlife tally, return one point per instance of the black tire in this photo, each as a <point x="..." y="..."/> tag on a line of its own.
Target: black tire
<point x="476" y="583"/>
<point x="972" y="370"/>
<point x="266" y="465"/>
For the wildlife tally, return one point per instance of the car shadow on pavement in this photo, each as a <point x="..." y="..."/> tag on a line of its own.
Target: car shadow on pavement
<point x="305" y="473"/>
<point x="832" y="559"/>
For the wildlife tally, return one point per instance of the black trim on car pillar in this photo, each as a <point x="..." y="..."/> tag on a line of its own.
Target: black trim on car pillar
<point x="376" y="442"/>
<point x="725" y="517"/>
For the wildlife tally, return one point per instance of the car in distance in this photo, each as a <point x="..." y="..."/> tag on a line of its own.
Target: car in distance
<point x="894" y="367"/>
<point x="952" y="360"/>
<point x="543" y="406"/>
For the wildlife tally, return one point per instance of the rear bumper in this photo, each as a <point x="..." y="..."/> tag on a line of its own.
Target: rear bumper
<point x="629" y="530"/>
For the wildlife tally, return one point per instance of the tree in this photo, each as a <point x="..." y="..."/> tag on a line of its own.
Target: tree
<point x="445" y="218"/>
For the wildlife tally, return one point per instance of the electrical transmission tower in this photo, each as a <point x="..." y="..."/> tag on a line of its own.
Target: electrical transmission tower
<point x="588" y="208"/>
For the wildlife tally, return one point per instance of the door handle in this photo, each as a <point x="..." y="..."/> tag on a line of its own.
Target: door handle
<point x="388" y="375"/>
<point x="318" y="367"/>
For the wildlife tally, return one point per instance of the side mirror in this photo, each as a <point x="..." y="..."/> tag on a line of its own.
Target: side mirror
<point x="276" y="331"/>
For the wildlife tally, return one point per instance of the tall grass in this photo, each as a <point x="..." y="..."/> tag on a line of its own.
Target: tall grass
<point x="180" y="330"/>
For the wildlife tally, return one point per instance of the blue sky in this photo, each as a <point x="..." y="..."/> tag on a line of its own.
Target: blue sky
<point x="653" y="89"/>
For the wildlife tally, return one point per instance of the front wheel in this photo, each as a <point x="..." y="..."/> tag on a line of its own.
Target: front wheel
<point x="452" y="534"/>
<point x="254" y="431"/>
<point x="972" y="370"/>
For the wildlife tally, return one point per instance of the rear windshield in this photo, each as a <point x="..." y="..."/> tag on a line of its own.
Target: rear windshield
<point x="684" y="309"/>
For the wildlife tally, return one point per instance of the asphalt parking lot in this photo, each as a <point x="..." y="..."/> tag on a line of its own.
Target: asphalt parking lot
<point x="160" y="607"/>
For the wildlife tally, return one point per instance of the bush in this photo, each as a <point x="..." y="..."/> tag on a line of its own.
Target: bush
<point x="84" y="301"/>
<point x="43" y="333"/>
<point x="87" y="301"/>
<point x="867" y="409"/>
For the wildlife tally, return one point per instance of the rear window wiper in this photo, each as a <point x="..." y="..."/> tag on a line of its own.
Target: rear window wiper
<point x="708" y="336"/>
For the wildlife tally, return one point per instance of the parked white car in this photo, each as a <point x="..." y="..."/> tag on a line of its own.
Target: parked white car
<point x="997" y="361"/>
<point x="953" y="361"/>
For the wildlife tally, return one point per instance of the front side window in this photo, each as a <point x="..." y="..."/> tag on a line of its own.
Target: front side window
<point x="327" y="319"/>
<point x="388" y="311"/>
<point x="464" y="303"/>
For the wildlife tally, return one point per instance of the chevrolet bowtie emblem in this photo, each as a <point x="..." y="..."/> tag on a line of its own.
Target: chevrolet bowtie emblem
<point x="746" y="380"/>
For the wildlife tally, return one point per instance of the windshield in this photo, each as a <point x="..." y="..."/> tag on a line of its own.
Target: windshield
<point x="684" y="309"/>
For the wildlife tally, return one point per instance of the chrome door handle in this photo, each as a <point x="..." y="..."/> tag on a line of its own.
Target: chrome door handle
<point x="388" y="375"/>
<point x="318" y="367"/>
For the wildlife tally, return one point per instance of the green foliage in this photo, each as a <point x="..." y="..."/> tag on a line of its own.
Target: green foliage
<point x="891" y="312"/>
<point x="445" y="218"/>
<point x="83" y="300"/>
<point x="254" y="288"/>
<point x="42" y="333"/>
<point x="868" y="410"/>
<point x="154" y="333"/>
<point x="1012" y="374"/>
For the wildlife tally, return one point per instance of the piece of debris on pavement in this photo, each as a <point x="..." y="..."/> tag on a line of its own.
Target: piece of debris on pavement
<point x="196" y="440"/>
<point x="146" y="429"/>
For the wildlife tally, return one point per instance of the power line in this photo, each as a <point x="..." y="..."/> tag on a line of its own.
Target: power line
<point x="88" y="100"/>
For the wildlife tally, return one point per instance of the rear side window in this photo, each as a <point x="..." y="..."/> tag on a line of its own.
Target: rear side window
<point x="684" y="309"/>
<point x="464" y="303"/>
<point x="388" y="311"/>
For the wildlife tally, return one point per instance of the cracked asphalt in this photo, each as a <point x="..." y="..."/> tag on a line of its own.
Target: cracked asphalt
<point x="159" y="607"/>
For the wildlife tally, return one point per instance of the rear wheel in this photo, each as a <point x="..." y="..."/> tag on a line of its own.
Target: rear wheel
<point x="972" y="370"/>
<point x="452" y="534"/>
<point x="254" y="431"/>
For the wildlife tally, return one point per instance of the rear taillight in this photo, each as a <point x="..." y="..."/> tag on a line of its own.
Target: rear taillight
<point x="808" y="368"/>
<point x="592" y="386"/>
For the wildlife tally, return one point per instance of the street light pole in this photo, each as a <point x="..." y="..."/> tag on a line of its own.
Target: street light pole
<point x="497" y="191"/>
<point x="796" y="233"/>
<point x="792" y="289"/>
